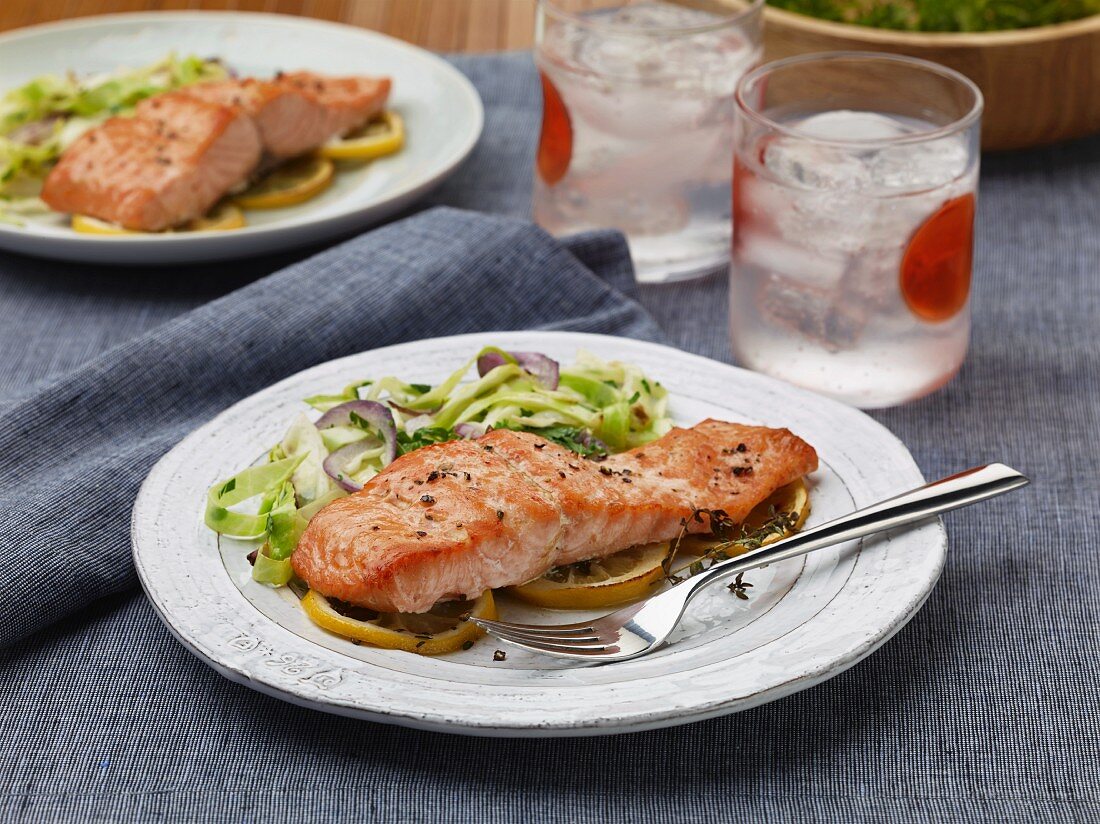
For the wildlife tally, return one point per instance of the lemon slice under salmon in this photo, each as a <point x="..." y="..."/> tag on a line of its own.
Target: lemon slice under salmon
<point x="221" y="218"/>
<point x="292" y="183"/>
<point x="431" y="633"/>
<point x="624" y="576"/>
<point x="382" y="136"/>
<point x="633" y="573"/>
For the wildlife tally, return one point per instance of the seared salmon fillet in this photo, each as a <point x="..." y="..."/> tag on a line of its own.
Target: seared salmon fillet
<point x="290" y="122"/>
<point x="348" y="101"/>
<point x="454" y="519"/>
<point x="163" y="167"/>
<point x="183" y="151"/>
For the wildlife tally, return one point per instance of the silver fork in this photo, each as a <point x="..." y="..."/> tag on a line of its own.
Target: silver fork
<point x="639" y="628"/>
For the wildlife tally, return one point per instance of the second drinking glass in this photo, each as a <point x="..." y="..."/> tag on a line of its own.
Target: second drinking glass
<point x="637" y="129"/>
<point x="854" y="198"/>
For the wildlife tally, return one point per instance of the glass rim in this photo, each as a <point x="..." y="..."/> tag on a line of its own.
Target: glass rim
<point x="550" y="7"/>
<point x="955" y="126"/>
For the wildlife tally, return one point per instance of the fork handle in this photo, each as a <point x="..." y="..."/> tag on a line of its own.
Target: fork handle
<point x="952" y="492"/>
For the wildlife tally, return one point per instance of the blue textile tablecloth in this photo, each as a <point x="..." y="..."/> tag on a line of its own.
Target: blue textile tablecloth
<point x="985" y="707"/>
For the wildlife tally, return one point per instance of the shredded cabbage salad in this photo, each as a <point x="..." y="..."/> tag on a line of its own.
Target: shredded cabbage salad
<point x="593" y="407"/>
<point x="41" y="118"/>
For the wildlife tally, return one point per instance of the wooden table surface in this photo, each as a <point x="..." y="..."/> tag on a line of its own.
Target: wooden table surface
<point x="444" y="25"/>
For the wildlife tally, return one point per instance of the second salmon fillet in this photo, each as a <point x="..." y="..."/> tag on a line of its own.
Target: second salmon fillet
<point x="452" y="520"/>
<point x="164" y="167"/>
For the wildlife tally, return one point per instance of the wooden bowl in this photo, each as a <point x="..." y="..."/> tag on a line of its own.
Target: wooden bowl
<point x="1041" y="85"/>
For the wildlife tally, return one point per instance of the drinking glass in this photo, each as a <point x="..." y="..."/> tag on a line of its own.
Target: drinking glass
<point x="637" y="130"/>
<point x="855" y="177"/>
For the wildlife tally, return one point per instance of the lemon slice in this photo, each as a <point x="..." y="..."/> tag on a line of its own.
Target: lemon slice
<point x="431" y="633"/>
<point x="792" y="499"/>
<point x="292" y="183"/>
<point x="624" y="576"/>
<point x="94" y="226"/>
<point x="382" y="136"/>
<point x="223" y="217"/>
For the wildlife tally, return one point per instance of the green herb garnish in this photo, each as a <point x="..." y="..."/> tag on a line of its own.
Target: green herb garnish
<point x="576" y="438"/>
<point x="423" y="437"/>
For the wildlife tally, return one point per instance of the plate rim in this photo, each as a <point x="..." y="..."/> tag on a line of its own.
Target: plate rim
<point x="223" y="245"/>
<point x="589" y="727"/>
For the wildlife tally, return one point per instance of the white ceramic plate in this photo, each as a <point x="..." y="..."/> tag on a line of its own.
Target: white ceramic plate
<point x="442" y="111"/>
<point x="806" y="620"/>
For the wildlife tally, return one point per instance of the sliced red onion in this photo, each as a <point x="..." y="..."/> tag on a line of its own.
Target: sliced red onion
<point x="543" y="368"/>
<point x="591" y="441"/>
<point x="36" y="132"/>
<point x="470" y="429"/>
<point x="336" y="464"/>
<point x="374" y="413"/>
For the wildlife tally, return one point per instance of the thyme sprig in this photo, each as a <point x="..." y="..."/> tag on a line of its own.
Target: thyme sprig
<point x="738" y="587"/>
<point x="735" y="539"/>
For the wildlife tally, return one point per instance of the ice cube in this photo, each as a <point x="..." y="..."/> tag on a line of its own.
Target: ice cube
<point x="811" y="267"/>
<point x="813" y="166"/>
<point x="915" y="166"/>
<point x="812" y="313"/>
<point x="846" y="124"/>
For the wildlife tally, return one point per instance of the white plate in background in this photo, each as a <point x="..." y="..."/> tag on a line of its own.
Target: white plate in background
<point x="442" y="111"/>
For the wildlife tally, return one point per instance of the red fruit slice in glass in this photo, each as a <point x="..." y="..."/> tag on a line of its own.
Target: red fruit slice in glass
<point x="935" y="270"/>
<point x="556" y="140"/>
<point x="741" y="214"/>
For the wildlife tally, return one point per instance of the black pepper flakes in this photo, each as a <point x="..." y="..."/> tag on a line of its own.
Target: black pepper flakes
<point x="606" y="470"/>
<point x="499" y="655"/>
<point x="741" y="447"/>
<point x="421" y="533"/>
<point x="627" y="481"/>
<point x="540" y="446"/>
<point x="500" y="514"/>
<point x="427" y="499"/>
<point x="561" y="474"/>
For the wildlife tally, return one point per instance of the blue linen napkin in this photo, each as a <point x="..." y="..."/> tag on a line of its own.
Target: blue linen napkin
<point x="73" y="455"/>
